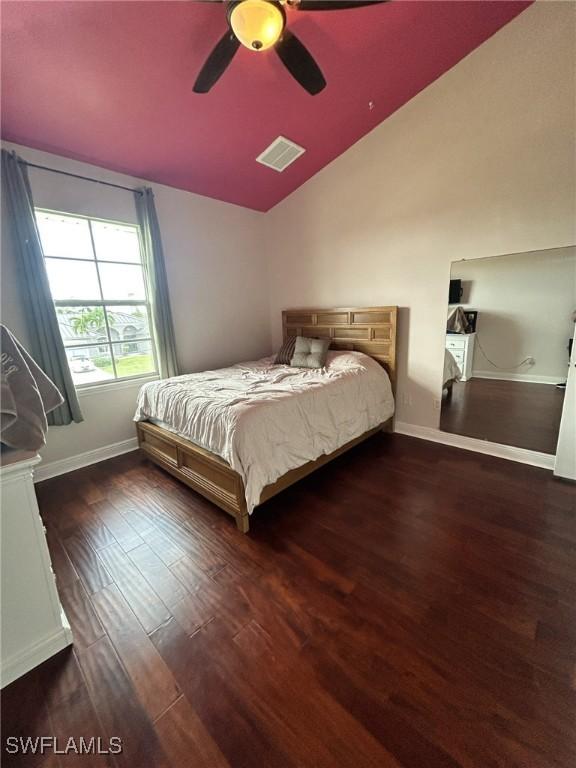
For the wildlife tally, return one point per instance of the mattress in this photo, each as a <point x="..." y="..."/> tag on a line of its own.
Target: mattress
<point x="265" y="419"/>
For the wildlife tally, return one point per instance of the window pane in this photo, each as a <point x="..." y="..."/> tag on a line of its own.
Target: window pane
<point x="64" y="236"/>
<point x="72" y="279"/>
<point x="122" y="281"/>
<point x="133" y="358"/>
<point x="90" y="364"/>
<point x="115" y="242"/>
<point x="82" y="325"/>
<point x="128" y="323"/>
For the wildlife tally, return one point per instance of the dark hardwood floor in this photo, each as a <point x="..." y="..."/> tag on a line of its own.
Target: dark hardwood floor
<point x="408" y="605"/>
<point x="508" y="412"/>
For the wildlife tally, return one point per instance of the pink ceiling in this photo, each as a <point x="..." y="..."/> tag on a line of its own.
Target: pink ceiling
<point x="110" y="83"/>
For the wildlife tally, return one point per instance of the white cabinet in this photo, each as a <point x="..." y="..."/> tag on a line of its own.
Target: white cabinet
<point x="565" y="465"/>
<point x="461" y="345"/>
<point x="34" y="626"/>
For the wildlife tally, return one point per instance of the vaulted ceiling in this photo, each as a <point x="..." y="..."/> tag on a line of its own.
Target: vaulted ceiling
<point x="110" y="83"/>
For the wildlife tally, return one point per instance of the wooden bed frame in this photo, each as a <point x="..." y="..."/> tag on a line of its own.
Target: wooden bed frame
<point x="371" y="330"/>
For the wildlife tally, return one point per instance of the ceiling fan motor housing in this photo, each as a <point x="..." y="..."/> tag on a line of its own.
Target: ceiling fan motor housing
<point x="261" y="24"/>
<point x="258" y="24"/>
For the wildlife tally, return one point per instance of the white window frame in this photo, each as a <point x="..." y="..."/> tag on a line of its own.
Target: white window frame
<point x="117" y="381"/>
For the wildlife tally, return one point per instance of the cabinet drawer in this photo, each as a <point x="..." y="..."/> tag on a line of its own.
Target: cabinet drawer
<point x="456" y="342"/>
<point x="459" y="357"/>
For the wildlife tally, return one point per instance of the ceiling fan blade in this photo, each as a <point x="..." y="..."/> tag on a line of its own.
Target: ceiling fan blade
<point x="333" y="5"/>
<point x="298" y="61"/>
<point x="217" y="62"/>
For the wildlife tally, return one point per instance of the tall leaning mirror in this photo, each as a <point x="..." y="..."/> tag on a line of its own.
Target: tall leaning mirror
<point x="509" y="332"/>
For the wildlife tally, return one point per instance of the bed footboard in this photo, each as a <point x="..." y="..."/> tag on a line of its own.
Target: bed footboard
<point x="213" y="478"/>
<point x="203" y="471"/>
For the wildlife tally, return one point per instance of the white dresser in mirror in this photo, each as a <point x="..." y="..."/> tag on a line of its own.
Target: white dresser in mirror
<point x="461" y="345"/>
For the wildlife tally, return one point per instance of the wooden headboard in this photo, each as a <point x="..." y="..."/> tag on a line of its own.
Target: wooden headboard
<point x="371" y="330"/>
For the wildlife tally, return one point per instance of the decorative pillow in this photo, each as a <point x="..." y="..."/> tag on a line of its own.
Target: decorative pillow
<point x="310" y="353"/>
<point x="286" y="351"/>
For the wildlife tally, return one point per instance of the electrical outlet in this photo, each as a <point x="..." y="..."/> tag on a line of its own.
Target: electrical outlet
<point x="437" y="404"/>
<point x="406" y="399"/>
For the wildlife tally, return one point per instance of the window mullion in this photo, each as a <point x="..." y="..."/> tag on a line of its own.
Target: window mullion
<point x="132" y="341"/>
<point x="101" y="302"/>
<point x="109" y="335"/>
<point x="112" y="357"/>
<point x="96" y="344"/>
<point x="87" y="261"/>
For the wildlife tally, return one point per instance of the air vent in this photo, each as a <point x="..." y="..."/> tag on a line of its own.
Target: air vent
<point x="280" y="154"/>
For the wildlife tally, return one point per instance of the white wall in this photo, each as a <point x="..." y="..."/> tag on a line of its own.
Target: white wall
<point x="525" y="303"/>
<point x="218" y="282"/>
<point x="478" y="164"/>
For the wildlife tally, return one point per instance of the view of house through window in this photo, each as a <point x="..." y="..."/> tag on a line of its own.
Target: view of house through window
<point x="97" y="282"/>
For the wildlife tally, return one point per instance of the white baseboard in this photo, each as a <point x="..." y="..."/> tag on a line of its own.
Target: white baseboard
<point x="23" y="661"/>
<point x="522" y="455"/>
<point x="60" y="467"/>
<point x="527" y="377"/>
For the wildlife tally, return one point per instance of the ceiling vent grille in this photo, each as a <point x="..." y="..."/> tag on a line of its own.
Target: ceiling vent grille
<point x="280" y="154"/>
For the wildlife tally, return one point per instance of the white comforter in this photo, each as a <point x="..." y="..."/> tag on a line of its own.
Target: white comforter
<point x="265" y="419"/>
<point x="451" y="370"/>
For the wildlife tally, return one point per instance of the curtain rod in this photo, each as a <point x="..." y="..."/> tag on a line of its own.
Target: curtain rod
<point x="77" y="176"/>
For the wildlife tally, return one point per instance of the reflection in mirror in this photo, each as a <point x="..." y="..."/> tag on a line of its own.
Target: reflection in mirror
<point x="509" y="331"/>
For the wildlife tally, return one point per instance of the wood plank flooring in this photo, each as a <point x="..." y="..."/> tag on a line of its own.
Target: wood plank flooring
<point x="410" y="605"/>
<point x="515" y="413"/>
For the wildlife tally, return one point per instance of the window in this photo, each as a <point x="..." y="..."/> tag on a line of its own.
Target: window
<point x="98" y="285"/>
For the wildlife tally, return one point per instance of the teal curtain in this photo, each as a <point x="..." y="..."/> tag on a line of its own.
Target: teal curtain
<point x="157" y="282"/>
<point x="47" y="347"/>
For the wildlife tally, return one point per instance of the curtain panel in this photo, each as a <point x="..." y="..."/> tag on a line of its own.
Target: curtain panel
<point x="46" y="342"/>
<point x="157" y="282"/>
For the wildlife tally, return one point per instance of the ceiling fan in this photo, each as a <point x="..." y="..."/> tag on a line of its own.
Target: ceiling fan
<point x="261" y="24"/>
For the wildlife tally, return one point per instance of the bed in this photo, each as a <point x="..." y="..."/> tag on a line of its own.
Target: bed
<point x="242" y="434"/>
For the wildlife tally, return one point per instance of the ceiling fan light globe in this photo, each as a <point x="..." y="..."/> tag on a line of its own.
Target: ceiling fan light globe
<point x="258" y="24"/>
